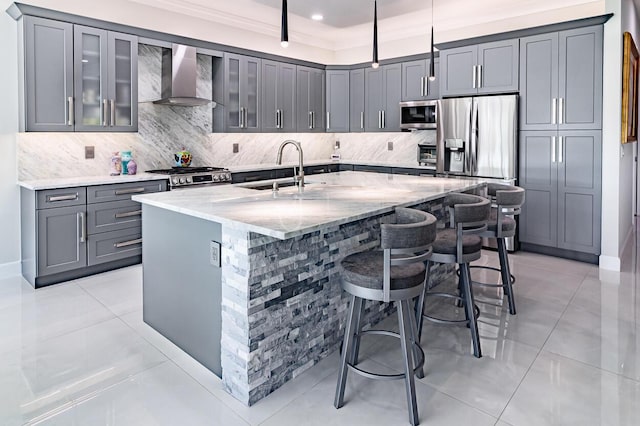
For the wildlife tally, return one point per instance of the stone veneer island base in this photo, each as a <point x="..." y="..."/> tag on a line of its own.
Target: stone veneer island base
<point x="274" y="306"/>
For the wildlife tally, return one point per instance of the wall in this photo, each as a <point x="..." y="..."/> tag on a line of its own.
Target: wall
<point x="9" y="200"/>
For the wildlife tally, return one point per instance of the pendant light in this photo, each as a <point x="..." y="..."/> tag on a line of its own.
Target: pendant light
<point x="432" y="67"/>
<point x="284" y="28"/>
<point x="375" y="63"/>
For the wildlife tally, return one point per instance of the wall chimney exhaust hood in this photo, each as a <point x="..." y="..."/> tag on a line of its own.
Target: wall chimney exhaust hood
<point x="179" y="66"/>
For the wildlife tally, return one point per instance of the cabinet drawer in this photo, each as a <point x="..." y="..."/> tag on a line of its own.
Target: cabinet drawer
<point x="112" y="216"/>
<point x="115" y="245"/>
<point x="63" y="197"/>
<point x="123" y="191"/>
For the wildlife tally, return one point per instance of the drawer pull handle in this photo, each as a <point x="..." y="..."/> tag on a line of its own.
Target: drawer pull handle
<point x="128" y="243"/>
<point x="128" y="214"/>
<point x="70" y="197"/>
<point x="129" y="191"/>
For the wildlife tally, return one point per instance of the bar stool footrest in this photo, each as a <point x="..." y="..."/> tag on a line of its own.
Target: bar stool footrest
<point x="459" y="299"/>
<point x="511" y="277"/>
<point x="376" y="376"/>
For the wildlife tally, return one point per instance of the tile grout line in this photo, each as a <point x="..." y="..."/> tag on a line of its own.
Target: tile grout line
<point x="542" y="347"/>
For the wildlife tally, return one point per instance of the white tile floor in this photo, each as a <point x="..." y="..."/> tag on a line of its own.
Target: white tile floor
<point x="78" y="353"/>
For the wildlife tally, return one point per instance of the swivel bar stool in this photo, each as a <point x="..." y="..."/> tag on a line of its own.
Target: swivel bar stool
<point x="507" y="201"/>
<point x="396" y="273"/>
<point x="460" y="244"/>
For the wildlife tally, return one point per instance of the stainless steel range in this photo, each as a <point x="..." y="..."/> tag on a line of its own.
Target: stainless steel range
<point x="183" y="177"/>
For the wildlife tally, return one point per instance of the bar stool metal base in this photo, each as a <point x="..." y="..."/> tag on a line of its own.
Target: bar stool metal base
<point x="506" y="277"/>
<point x="459" y="303"/>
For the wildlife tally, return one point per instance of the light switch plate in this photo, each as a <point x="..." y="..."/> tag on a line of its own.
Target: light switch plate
<point x="89" y="152"/>
<point x="236" y="148"/>
<point x="214" y="254"/>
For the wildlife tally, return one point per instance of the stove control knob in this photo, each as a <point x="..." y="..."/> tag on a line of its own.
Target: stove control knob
<point x="175" y="181"/>
<point x="216" y="178"/>
<point x="181" y="180"/>
<point x="188" y="180"/>
<point x="227" y="176"/>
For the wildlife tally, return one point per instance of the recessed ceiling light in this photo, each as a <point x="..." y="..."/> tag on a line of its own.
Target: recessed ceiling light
<point x="317" y="17"/>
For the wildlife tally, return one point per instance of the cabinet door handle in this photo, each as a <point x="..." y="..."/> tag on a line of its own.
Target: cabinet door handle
<point x="480" y="76"/>
<point x="246" y="119"/>
<point x="128" y="243"/>
<point x="83" y="227"/>
<point x="554" y="110"/>
<point x="129" y="191"/>
<point x="561" y="112"/>
<point x="313" y="119"/>
<point x="328" y="120"/>
<point x="70" y="111"/>
<point x="128" y="214"/>
<point x="384" y="119"/>
<point x="560" y="149"/>
<point x="362" y="120"/>
<point x="475" y="76"/>
<point x="113" y="113"/>
<point x="553" y="149"/>
<point x="277" y="119"/>
<point x="422" y="86"/>
<point x="241" y="118"/>
<point x="105" y="112"/>
<point x="310" y="120"/>
<point x="70" y="197"/>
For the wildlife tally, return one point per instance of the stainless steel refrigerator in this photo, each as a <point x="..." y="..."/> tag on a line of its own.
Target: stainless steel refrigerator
<point x="478" y="137"/>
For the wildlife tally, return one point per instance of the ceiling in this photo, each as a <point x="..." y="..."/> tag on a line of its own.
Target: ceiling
<point x="347" y="13"/>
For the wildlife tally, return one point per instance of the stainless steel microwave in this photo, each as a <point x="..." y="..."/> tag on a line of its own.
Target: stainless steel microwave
<point x="418" y="115"/>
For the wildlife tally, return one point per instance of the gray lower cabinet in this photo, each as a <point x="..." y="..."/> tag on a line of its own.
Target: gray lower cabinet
<point x="480" y="69"/>
<point x="561" y="173"/>
<point x="278" y="87"/>
<point x="310" y="99"/>
<point x="236" y="89"/>
<point x="72" y="232"/>
<point x="383" y="87"/>
<point x="356" y="100"/>
<point x="561" y="80"/>
<point x="337" y="101"/>
<point x="415" y="80"/>
<point x="79" y="78"/>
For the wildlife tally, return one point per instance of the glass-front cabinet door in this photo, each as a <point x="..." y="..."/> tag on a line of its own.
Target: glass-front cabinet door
<point x="106" y="78"/>
<point x="91" y="98"/>
<point x="123" y="82"/>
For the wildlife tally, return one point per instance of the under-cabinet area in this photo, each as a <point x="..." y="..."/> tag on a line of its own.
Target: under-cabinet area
<point x="77" y="231"/>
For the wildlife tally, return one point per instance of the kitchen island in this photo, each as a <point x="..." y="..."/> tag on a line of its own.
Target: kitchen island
<point x="247" y="281"/>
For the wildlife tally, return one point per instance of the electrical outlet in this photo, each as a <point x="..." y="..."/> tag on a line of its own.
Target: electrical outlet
<point x="214" y="254"/>
<point x="236" y="148"/>
<point x="89" y="152"/>
<point x="338" y="144"/>
<point x="390" y="146"/>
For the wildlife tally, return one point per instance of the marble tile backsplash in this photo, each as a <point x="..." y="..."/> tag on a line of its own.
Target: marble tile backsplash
<point x="163" y="130"/>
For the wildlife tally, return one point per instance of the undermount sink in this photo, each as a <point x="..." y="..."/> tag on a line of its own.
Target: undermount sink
<point x="262" y="186"/>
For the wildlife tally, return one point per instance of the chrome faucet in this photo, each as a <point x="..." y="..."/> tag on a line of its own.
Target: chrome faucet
<point x="298" y="177"/>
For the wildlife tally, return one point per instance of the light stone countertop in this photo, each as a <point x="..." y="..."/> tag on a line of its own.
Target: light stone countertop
<point x="258" y="167"/>
<point x="328" y="200"/>
<point x="87" y="180"/>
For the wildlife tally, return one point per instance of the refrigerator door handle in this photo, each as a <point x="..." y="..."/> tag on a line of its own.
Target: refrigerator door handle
<point x="471" y="149"/>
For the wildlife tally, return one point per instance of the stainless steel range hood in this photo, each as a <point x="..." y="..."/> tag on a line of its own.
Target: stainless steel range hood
<point x="179" y="66"/>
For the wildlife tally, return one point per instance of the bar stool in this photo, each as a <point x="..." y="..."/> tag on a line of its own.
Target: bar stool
<point x="460" y="244"/>
<point x="396" y="273"/>
<point x="507" y="201"/>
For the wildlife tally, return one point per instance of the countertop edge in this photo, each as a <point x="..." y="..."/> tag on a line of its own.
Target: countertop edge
<point x="56" y="183"/>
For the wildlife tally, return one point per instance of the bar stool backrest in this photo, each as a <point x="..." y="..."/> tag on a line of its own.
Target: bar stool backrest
<point x="468" y="215"/>
<point x="406" y="241"/>
<point x="508" y="200"/>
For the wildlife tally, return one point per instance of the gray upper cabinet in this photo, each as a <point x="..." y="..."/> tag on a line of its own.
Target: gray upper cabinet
<point x="561" y="172"/>
<point x="337" y="101"/>
<point x="480" y="69"/>
<point x="79" y="78"/>
<point x="561" y="80"/>
<point x="415" y="81"/>
<point x="310" y="99"/>
<point x="383" y="87"/>
<point x="278" y="87"/>
<point x="48" y="87"/>
<point x="239" y="82"/>
<point x="357" y="117"/>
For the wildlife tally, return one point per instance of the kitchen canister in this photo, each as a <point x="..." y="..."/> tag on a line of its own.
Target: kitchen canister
<point x="115" y="166"/>
<point x="132" y="167"/>
<point x="125" y="157"/>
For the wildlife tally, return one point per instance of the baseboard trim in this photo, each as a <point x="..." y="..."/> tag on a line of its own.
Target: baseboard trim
<point x="557" y="252"/>
<point x="10" y="269"/>
<point x="610" y="263"/>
